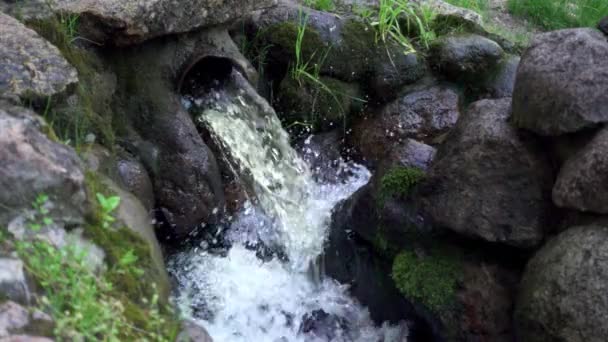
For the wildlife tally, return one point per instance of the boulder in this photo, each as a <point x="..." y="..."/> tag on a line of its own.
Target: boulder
<point x="16" y="319"/>
<point x="603" y="25"/>
<point x="125" y="22"/>
<point x="32" y="164"/>
<point x="13" y="284"/>
<point x="134" y="176"/>
<point x="487" y="181"/>
<point x="454" y="14"/>
<point x="423" y="115"/>
<point x="323" y="326"/>
<point x="388" y="76"/>
<point x="582" y="182"/>
<point x="31" y="67"/>
<point x="465" y="57"/>
<point x="561" y="82"/>
<point x="562" y="294"/>
<point x="500" y="83"/>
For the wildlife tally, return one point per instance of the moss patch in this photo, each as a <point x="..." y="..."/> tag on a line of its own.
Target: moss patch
<point x="431" y="280"/>
<point x="283" y="37"/>
<point x="399" y="182"/>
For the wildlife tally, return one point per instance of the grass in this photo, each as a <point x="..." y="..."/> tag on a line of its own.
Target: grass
<point x="431" y="280"/>
<point x="86" y="304"/>
<point x="322" y="5"/>
<point x="559" y="14"/>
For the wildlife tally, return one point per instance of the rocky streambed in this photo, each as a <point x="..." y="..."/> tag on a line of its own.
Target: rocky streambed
<point x="303" y="178"/>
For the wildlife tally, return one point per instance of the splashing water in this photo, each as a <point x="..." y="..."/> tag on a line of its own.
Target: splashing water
<point x="247" y="299"/>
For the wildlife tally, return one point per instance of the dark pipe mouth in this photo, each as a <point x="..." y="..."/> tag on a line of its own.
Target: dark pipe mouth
<point x="209" y="72"/>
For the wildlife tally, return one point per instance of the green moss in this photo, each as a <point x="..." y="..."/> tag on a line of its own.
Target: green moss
<point x="399" y="182"/>
<point x="431" y="280"/>
<point x="91" y="112"/>
<point x="283" y="37"/>
<point x="136" y="284"/>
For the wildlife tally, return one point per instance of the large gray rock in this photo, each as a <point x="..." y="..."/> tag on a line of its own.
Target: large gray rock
<point x="192" y="332"/>
<point x="465" y="57"/>
<point x="561" y="82"/>
<point x="582" y="182"/>
<point x="131" y="21"/>
<point x="32" y="164"/>
<point x="562" y="294"/>
<point x="487" y="182"/>
<point x="31" y="67"/>
<point x="501" y="82"/>
<point x="422" y="115"/>
<point x="13" y="284"/>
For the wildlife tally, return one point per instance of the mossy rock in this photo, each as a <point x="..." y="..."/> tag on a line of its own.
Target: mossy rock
<point x="431" y="279"/>
<point x="321" y="105"/>
<point x="399" y="182"/>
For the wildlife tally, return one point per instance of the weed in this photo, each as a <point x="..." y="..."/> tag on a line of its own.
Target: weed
<point x="41" y="215"/>
<point x="107" y="206"/>
<point x="387" y="23"/>
<point x="85" y="305"/>
<point x="432" y="279"/>
<point x="69" y="24"/>
<point x="559" y="14"/>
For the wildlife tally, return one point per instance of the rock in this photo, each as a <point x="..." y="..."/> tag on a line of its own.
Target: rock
<point x="566" y="92"/>
<point x="192" y="332"/>
<point x="422" y="115"/>
<point x="31" y="67"/>
<point x="32" y="165"/>
<point x="323" y="326"/>
<point x="501" y="82"/>
<point x="465" y="57"/>
<point x="582" y="181"/>
<point x="454" y="14"/>
<point x="307" y="102"/>
<point x="603" y="25"/>
<point x="562" y="296"/>
<point x="13" y="284"/>
<point x="487" y="181"/>
<point x="135" y="179"/>
<point x="343" y="47"/>
<point x="135" y="217"/>
<point x="133" y="21"/>
<point x="388" y="76"/>
<point x="322" y="153"/>
<point x="15" y="319"/>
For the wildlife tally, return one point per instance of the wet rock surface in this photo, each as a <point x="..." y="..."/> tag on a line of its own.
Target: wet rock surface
<point x="462" y="57"/>
<point x="31" y="67"/>
<point x="13" y="284"/>
<point x="16" y="319"/>
<point x="33" y="164"/>
<point x="487" y="181"/>
<point x="561" y="295"/>
<point x="603" y="25"/>
<point x="501" y="82"/>
<point x="561" y="82"/>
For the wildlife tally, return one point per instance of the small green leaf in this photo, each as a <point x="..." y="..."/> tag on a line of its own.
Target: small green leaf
<point x="47" y="221"/>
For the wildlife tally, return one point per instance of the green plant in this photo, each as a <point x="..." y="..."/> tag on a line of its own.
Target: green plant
<point x="559" y="14"/>
<point x="87" y="305"/>
<point x="107" y="206"/>
<point x="41" y="213"/>
<point x="432" y="279"/>
<point x="69" y="24"/>
<point x="399" y="181"/>
<point x="388" y="25"/>
<point x="322" y="5"/>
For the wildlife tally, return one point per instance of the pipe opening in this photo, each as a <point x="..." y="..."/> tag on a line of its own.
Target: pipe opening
<point x="208" y="73"/>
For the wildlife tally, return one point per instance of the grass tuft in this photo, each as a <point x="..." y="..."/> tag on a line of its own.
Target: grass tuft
<point x="560" y="14"/>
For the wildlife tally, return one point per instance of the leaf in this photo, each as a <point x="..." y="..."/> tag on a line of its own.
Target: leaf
<point x="47" y="221"/>
<point x="112" y="203"/>
<point x="128" y="258"/>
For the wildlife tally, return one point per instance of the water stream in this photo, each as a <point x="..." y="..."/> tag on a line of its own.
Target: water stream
<point x="238" y="296"/>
